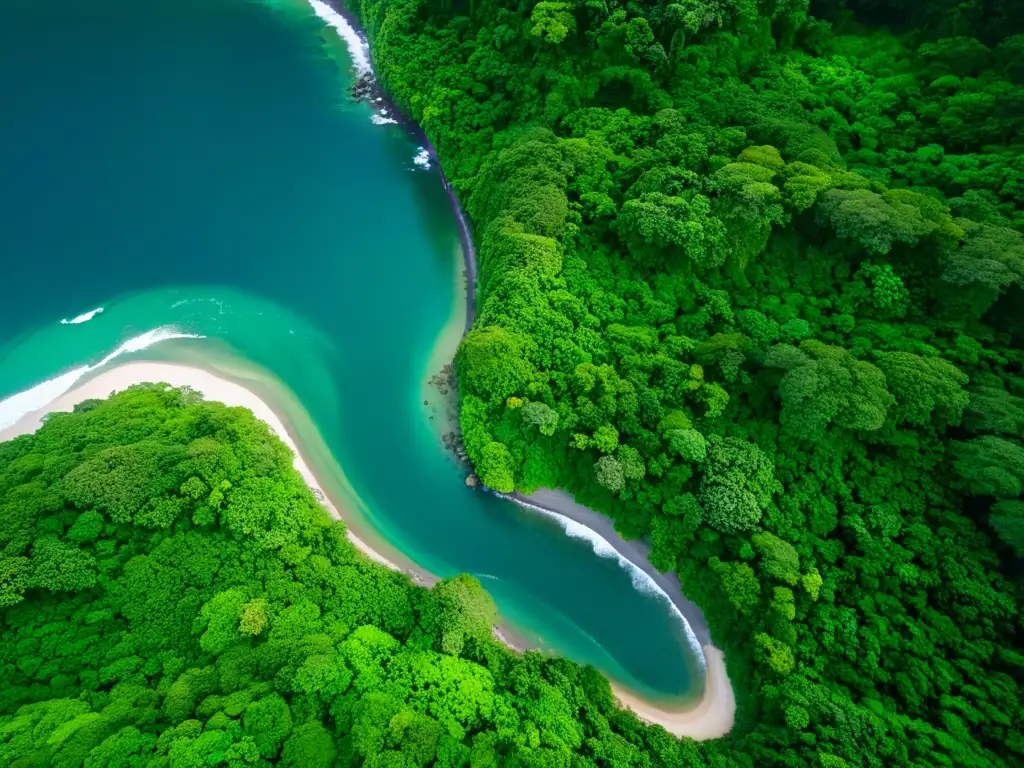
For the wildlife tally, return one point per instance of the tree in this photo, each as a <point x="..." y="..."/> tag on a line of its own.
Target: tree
<point x="268" y="722"/>
<point x="1007" y="519"/>
<point x="738" y="582"/>
<point x="663" y="229"/>
<point x="749" y="203"/>
<point x="494" y="363"/>
<point x="738" y="484"/>
<point x="924" y="387"/>
<point x="804" y="183"/>
<point x="990" y="466"/>
<point x="254" y="617"/>
<point x="323" y="675"/>
<point x="15" y="577"/>
<point x="58" y="567"/>
<point x="871" y="220"/>
<point x="220" y="619"/>
<point x="496" y="466"/>
<point x="778" y="558"/>
<point x="992" y="409"/>
<point x="552" y="21"/>
<point x="688" y="444"/>
<point x="309" y="746"/>
<point x="987" y="261"/>
<point x="541" y="416"/>
<point x="87" y="527"/>
<point x="777" y="656"/>
<point x="825" y="385"/>
<point x="466" y="611"/>
<point x="609" y="474"/>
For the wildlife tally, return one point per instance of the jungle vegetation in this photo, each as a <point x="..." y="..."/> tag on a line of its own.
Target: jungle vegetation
<point x="751" y="278"/>
<point x="172" y="595"/>
<point x="751" y="284"/>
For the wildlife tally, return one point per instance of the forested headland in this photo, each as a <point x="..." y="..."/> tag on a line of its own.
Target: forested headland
<point x="172" y="594"/>
<point x="750" y="283"/>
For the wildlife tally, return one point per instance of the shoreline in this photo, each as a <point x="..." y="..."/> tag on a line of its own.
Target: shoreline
<point x="714" y="714"/>
<point x="710" y="717"/>
<point x="560" y="502"/>
<point x="369" y="89"/>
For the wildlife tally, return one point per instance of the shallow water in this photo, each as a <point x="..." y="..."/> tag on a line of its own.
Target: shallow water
<point x="194" y="168"/>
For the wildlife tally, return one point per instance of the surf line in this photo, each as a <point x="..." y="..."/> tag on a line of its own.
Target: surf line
<point x="642" y="581"/>
<point x="17" y="405"/>
<point x="368" y="89"/>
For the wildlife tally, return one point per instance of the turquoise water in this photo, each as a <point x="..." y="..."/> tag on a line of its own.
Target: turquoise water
<point x="195" y="168"/>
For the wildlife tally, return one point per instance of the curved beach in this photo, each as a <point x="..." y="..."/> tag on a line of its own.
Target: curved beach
<point x="711" y="717"/>
<point x="635" y="551"/>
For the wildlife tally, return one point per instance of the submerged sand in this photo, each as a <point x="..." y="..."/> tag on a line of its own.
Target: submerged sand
<point x="710" y="718"/>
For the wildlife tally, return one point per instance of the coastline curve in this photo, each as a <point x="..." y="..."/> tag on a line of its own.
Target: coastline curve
<point x="709" y="717"/>
<point x="369" y="89"/>
<point x="557" y="504"/>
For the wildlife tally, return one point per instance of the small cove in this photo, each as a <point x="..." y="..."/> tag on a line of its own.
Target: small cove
<point x="234" y="194"/>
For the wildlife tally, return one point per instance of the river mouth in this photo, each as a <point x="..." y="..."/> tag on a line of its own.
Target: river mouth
<point x="238" y="204"/>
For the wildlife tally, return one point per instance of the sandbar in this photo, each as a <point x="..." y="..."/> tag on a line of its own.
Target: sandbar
<point x="709" y="718"/>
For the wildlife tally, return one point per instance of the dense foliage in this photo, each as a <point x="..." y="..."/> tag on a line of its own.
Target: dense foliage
<point x="751" y="278"/>
<point x="172" y="595"/>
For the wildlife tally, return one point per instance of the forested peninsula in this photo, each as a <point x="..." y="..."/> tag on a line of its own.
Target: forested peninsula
<point x="173" y="594"/>
<point x="750" y="278"/>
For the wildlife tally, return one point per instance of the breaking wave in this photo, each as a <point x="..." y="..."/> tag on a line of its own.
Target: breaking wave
<point x="642" y="582"/>
<point x="29" y="400"/>
<point x="83" y="318"/>
<point x="358" y="48"/>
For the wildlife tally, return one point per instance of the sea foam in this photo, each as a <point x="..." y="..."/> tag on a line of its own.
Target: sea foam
<point x="83" y="318"/>
<point x="642" y="581"/>
<point x="21" y="403"/>
<point x="358" y="48"/>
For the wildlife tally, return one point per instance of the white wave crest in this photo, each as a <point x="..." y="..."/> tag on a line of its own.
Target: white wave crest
<point x="422" y="158"/>
<point x="83" y="318"/>
<point x="380" y="118"/>
<point x="357" y="47"/>
<point x="39" y="396"/>
<point x="642" y="581"/>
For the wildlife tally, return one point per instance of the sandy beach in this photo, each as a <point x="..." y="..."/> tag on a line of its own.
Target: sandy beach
<point x="711" y="717"/>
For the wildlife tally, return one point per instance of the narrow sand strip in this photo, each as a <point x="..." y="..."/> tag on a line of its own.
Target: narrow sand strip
<point x="710" y="718"/>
